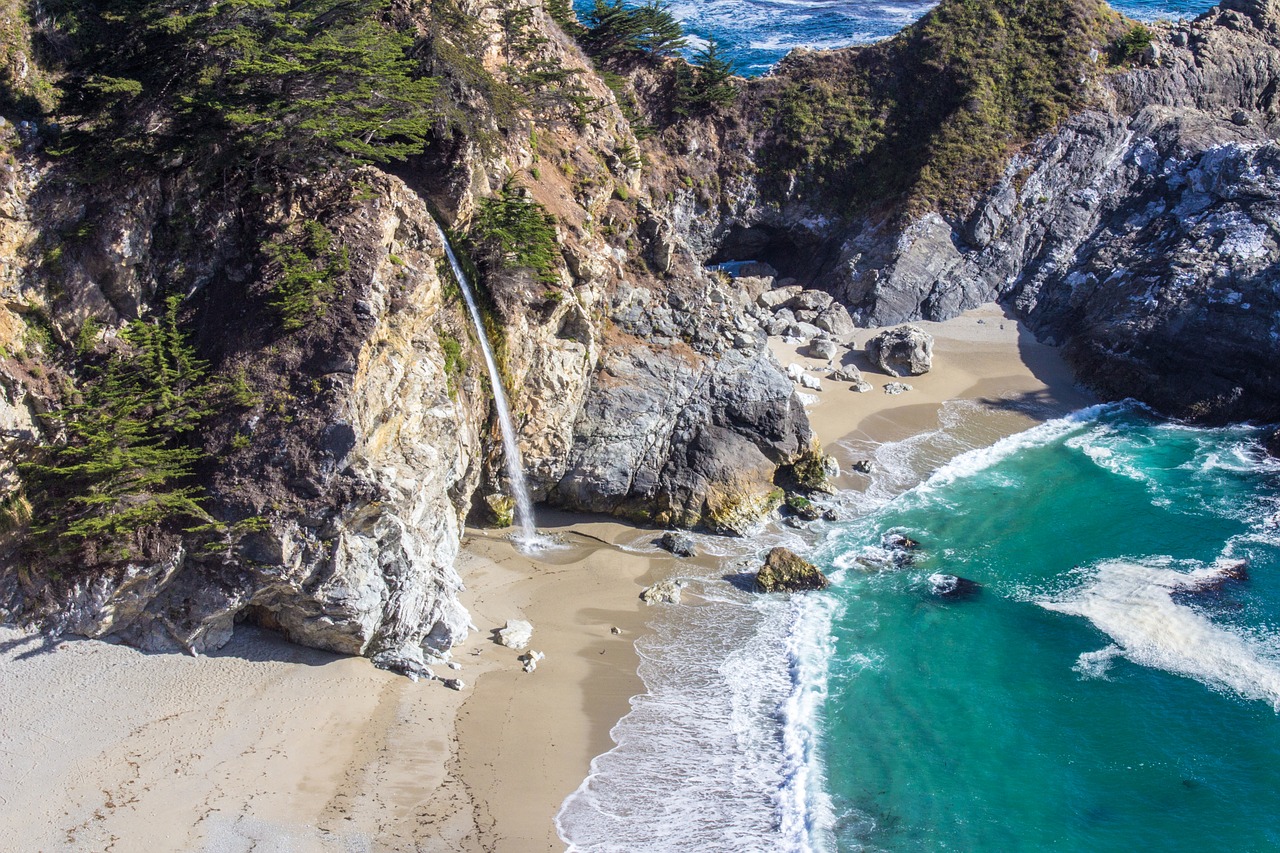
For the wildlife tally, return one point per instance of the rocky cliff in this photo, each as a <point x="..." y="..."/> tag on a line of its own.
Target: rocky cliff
<point x="1139" y="233"/>
<point x="1126" y="210"/>
<point x="333" y="488"/>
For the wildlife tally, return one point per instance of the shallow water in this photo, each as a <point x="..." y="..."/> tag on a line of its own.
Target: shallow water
<point x="1085" y="699"/>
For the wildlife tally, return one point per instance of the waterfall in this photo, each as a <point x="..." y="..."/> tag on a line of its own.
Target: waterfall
<point x="528" y="534"/>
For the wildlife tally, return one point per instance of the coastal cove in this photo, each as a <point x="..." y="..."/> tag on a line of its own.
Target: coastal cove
<point x="382" y="760"/>
<point x="404" y="407"/>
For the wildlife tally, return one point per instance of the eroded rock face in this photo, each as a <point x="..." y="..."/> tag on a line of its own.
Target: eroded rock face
<point x="681" y="439"/>
<point x="904" y="351"/>
<point x="784" y="571"/>
<point x="358" y="528"/>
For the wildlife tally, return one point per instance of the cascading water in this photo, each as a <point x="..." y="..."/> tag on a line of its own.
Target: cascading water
<point x="528" y="534"/>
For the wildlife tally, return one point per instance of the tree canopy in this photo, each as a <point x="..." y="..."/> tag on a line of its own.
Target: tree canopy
<point x="291" y="84"/>
<point x="616" y="31"/>
<point x="125" y="463"/>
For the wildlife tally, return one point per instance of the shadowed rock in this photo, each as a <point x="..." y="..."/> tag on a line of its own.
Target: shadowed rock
<point x="679" y="544"/>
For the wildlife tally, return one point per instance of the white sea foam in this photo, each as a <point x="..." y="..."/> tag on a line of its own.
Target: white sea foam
<point x="1132" y="602"/>
<point x="701" y="761"/>
<point x="1097" y="664"/>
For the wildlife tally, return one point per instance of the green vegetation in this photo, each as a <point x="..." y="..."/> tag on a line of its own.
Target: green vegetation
<point x="1131" y="45"/>
<point x="292" y="85"/>
<point x="451" y="50"/>
<point x="303" y="271"/>
<point x="616" y="32"/>
<point x="706" y="84"/>
<point x="929" y="118"/>
<point x="126" y="464"/>
<point x="511" y="231"/>
<point x="561" y="11"/>
<point x="454" y="364"/>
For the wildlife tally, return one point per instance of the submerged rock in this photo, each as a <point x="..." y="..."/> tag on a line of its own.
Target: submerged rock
<point x="953" y="586"/>
<point x="516" y="634"/>
<point x="906" y="350"/>
<point x="680" y="544"/>
<point x="664" y="592"/>
<point x="784" y="571"/>
<point x="804" y="508"/>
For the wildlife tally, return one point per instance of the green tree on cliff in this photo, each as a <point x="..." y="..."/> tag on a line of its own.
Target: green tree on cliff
<point x="293" y="85"/>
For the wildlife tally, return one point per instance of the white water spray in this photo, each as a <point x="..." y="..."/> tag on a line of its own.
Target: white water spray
<point x="528" y="534"/>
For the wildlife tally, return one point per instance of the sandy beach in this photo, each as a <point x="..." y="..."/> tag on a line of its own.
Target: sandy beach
<point x="269" y="746"/>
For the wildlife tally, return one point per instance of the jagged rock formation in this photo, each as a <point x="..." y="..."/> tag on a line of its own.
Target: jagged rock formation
<point x="1139" y="232"/>
<point x="639" y="385"/>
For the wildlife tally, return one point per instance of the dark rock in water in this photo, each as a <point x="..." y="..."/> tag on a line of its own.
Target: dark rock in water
<point x="897" y="541"/>
<point x="1225" y="572"/>
<point x="1271" y="444"/>
<point x="906" y="350"/>
<point x="783" y="571"/>
<point x="953" y="586"/>
<point x="864" y="466"/>
<point x="678" y="543"/>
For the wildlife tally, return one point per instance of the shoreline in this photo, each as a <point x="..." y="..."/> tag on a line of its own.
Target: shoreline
<point x="269" y="741"/>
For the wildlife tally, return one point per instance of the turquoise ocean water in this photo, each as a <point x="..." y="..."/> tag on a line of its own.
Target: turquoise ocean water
<point x="1085" y="698"/>
<point x="757" y="33"/>
<point x="1108" y="687"/>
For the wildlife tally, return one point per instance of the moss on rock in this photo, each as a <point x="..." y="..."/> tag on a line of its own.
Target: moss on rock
<point x="784" y="571"/>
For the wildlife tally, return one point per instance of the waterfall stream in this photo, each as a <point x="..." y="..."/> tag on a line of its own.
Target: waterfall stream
<point x="527" y="535"/>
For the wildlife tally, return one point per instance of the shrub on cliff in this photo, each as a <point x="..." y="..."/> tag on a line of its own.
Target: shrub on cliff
<point x="302" y="269"/>
<point x="512" y="231"/>
<point x="618" y="32"/>
<point x="705" y="84"/>
<point x="126" y="463"/>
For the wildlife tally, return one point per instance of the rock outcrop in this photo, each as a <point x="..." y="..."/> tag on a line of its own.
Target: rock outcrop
<point x="784" y="571"/>
<point x="904" y="351"/>
<point x="663" y="592"/>
<point x="1140" y="234"/>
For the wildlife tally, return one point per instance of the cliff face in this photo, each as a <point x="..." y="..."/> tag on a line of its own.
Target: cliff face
<point x="340" y="479"/>
<point x="1140" y="233"/>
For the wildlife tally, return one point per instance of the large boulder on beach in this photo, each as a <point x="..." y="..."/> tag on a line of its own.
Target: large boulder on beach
<point x="836" y="320"/>
<point x="516" y="634"/>
<point x="679" y="544"/>
<point x="664" y="592"/>
<point x="904" y="351"/>
<point x="784" y="571"/>
<point x="823" y="348"/>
